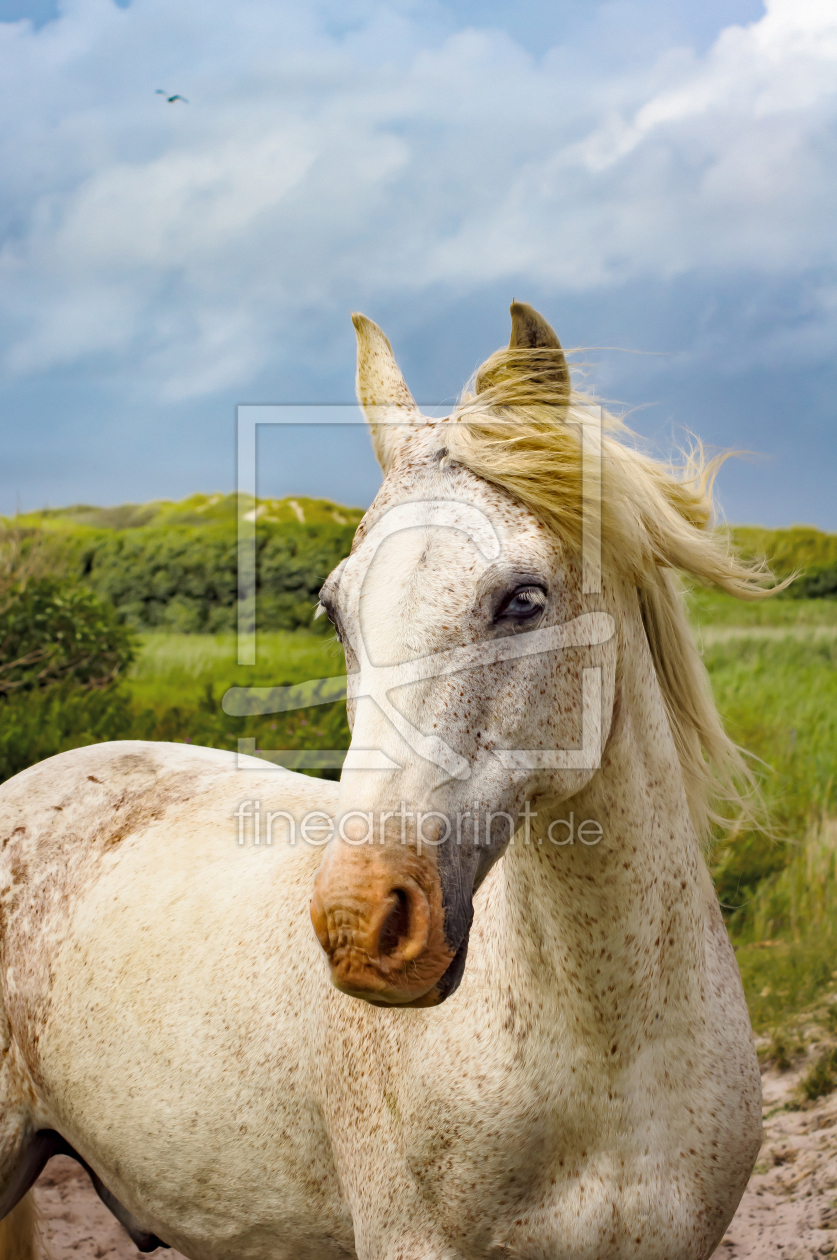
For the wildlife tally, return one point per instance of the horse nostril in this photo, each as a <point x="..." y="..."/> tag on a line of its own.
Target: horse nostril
<point x="370" y="934"/>
<point x="396" y="925"/>
<point x="405" y="930"/>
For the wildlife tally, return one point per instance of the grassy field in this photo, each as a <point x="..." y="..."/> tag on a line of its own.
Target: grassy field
<point x="177" y="669"/>
<point x="178" y="681"/>
<point x="773" y="667"/>
<point x="712" y="610"/>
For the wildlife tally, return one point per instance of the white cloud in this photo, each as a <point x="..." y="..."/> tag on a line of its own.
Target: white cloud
<point x="176" y="242"/>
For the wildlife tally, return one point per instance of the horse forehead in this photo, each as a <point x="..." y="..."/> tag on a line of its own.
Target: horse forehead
<point x="422" y="570"/>
<point x="448" y="498"/>
<point x="437" y="558"/>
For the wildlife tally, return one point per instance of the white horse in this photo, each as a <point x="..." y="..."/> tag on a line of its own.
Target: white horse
<point x="585" y="1084"/>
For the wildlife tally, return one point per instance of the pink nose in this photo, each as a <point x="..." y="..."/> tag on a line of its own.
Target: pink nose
<point x="380" y="919"/>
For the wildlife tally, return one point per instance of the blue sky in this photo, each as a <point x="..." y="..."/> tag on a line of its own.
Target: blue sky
<point x="657" y="176"/>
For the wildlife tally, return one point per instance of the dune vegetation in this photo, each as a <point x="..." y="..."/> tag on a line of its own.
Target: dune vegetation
<point x="773" y="668"/>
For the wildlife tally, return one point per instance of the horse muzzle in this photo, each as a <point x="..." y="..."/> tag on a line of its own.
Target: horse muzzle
<point x="379" y="915"/>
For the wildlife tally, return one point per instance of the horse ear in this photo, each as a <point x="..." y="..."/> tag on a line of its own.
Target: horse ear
<point x="530" y="331"/>
<point x="382" y="391"/>
<point x="533" y="369"/>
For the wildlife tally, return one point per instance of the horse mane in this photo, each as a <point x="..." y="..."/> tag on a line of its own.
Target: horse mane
<point x="520" y="427"/>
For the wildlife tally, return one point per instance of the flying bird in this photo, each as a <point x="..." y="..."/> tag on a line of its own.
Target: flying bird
<point x="176" y="97"/>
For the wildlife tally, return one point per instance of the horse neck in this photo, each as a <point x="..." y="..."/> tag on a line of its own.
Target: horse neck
<point x="621" y="922"/>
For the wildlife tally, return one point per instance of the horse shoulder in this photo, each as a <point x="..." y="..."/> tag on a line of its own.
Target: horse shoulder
<point x="99" y="844"/>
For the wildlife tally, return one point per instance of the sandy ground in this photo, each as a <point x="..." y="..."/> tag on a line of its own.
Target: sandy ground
<point x="75" y="1224"/>
<point x="789" y="1211"/>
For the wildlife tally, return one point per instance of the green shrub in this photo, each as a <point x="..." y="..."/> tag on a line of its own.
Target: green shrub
<point x="803" y="550"/>
<point x="816" y="584"/>
<point x="54" y="632"/>
<point x="174" y="566"/>
<point x="185" y="579"/>
<point x="205" y="724"/>
<point x="38" y="724"/>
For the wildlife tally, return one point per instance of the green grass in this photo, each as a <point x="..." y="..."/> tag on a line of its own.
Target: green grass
<point x="177" y="669"/>
<point x="773" y="667"/>
<point x="714" y="609"/>
<point x="778" y="697"/>
<point x="178" y="681"/>
<point x="787" y="941"/>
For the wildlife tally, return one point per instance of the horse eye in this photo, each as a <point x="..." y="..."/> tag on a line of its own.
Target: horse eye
<point x="326" y="606"/>
<point x="525" y="602"/>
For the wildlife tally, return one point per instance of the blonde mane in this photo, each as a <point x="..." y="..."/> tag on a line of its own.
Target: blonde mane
<point x="520" y="427"/>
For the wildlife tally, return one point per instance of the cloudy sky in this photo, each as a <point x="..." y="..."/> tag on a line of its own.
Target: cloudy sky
<point x="658" y="176"/>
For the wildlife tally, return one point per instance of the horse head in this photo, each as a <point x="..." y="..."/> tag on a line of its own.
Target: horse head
<point x="481" y="669"/>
